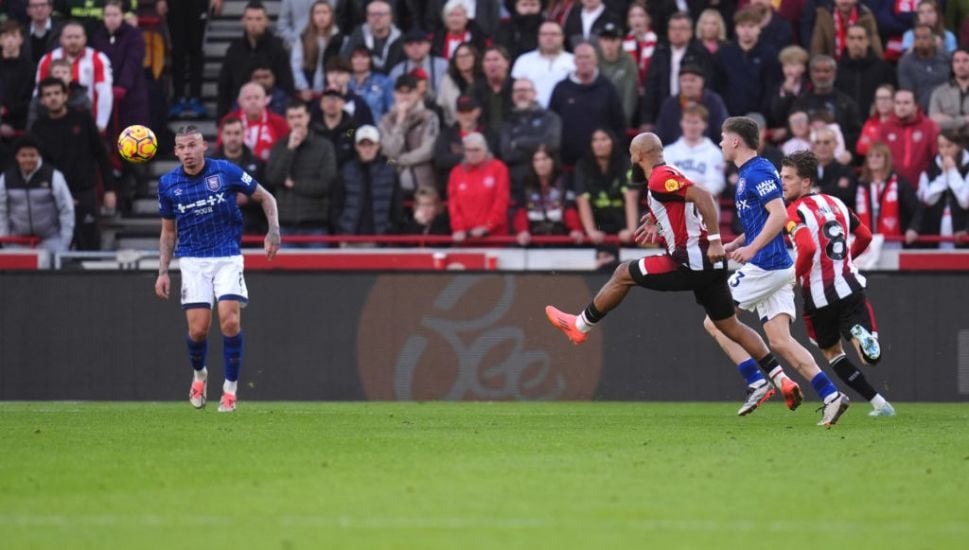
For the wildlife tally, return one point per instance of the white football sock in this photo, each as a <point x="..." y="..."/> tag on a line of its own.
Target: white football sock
<point x="230" y="387"/>
<point x="200" y="374"/>
<point x="583" y="324"/>
<point x="878" y="401"/>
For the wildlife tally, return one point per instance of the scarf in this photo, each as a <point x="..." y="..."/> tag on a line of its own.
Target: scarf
<point x="879" y="209"/>
<point x="841" y="30"/>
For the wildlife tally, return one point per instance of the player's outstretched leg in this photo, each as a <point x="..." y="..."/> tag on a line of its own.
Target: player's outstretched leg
<point x="198" y="394"/>
<point x="577" y="327"/>
<point x="758" y="390"/>
<point x="853" y="378"/>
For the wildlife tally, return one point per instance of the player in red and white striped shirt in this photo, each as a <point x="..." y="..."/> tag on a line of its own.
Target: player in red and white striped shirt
<point x="90" y="68"/>
<point x="834" y="292"/>
<point x="680" y="213"/>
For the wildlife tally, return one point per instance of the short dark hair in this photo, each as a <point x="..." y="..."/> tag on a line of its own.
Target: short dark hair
<point x="49" y="82"/>
<point x="11" y="26"/>
<point x="805" y="163"/>
<point x="746" y="128"/>
<point x="681" y="15"/>
<point x="26" y="141"/>
<point x="502" y="51"/>
<point x="255" y="5"/>
<point x="749" y="15"/>
<point x="229" y="120"/>
<point x="296" y="104"/>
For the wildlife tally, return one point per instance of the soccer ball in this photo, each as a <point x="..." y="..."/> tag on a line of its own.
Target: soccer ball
<point x="137" y="144"/>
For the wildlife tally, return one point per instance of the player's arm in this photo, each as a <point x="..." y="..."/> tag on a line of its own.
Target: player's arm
<point x="738" y="241"/>
<point x="776" y="217"/>
<point x="166" y="247"/>
<point x="804" y="244"/>
<point x="707" y="206"/>
<point x="862" y="235"/>
<point x="268" y="203"/>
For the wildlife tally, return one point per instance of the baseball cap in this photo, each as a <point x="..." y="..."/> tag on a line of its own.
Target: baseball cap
<point x="692" y="68"/>
<point x="416" y="34"/>
<point x="365" y="133"/>
<point x="611" y="30"/>
<point x="335" y="92"/>
<point x="405" y="81"/>
<point x="465" y="103"/>
<point x="418" y="73"/>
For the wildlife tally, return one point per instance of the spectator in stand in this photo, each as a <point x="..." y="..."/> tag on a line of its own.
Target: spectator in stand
<point x="825" y="97"/>
<point x="586" y="21"/>
<point x="608" y="204"/>
<point x="520" y="34"/>
<point x="375" y="88"/>
<point x="823" y="119"/>
<point x="44" y="30"/>
<point x="261" y="73"/>
<point x="125" y="47"/>
<point x="800" y="132"/>
<point x="369" y="198"/>
<point x="662" y="79"/>
<point x="831" y="28"/>
<point x="464" y="70"/>
<point x="257" y="44"/>
<point x="694" y="153"/>
<point x="233" y="149"/>
<point x="929" y="13"/>
<point x="484" y="13"/>
<point x="834" y="178"/>
<point x="337" y="125"/>
<point x="881" y="110"/>
<point x="338" y="73"/>
<point x="548" y="65"/>
<point x="263" y="128"/>
<point x="548" y="205"/>
<point x="949" y="103"/>
<point x="380" y="35"/>
<point x="793" y="60"/>
<point x="16" y="80"/>
<point x="692" y="92"/>
<point x="458" y="29"/>
<point x="35" y="200"/>
<point x="186" y="27"/>
<point x="424" y="94"/>
<point x="860" y="71"/>
<point x="924" y="68"/>
<point x="70" y="140"/>
<point x="302" y="170"/>
<point x="894" y="18"/>
<point x="619" y="68"/>
<point x="493" y="92"/>
<point x="93" y="70"/>
<point x="311" y="49"/>
<point x="77" y="98"/>
<point x="640" y="42"/>
<point x="417" y="51"/>
<point x="910" y="135"/>
<point x="526" y="129"/>
<point x="407" y="136"/>
<point x="429" y="217"/>
<point x="478" y="193"/>
<point x="747" y="66"/>
<point x="584" y="101"/>
<point x="297" y="15"/>
<point x="886" y="201"/>
<point x="775" y="31"/>
<point x="944" y="191"/>
<point x="711" y="30"/>
<point x="449" y="148"/>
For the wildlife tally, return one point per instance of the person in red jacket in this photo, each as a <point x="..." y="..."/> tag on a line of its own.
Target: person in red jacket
<point x="262" y="127"/>
<point x="910" y="135"/>
<point x="478" y="192"/>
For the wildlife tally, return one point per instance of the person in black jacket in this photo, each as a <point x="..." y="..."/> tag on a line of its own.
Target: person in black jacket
<point x="337" y="125"/>
<point x="823" y="96"/>
<point x="527" y="128"/>
<point x="575" y="29"/>
<point x="369" y="200"/>
<point x="233" y="149"/>
<point x="520" y="35"/>
<point x="256" y="43"/>
<point x="861" y="72"/>
<point x="747" y="67"/>
<point x="16" y="80"/>
<point x="449" y="147"/>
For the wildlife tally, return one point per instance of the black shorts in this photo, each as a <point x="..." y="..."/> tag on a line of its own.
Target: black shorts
<point x="826" y="326"/>
<point x="709" y="286"/>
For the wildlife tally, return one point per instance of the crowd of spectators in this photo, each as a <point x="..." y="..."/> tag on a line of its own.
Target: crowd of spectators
<point x="491" y="117"/>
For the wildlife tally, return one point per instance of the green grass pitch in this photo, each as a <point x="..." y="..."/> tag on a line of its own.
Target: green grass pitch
<point x="480" y="475"/>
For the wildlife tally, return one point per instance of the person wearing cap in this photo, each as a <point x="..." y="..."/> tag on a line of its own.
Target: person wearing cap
<point x="527" y="128"/>
<point x="619" y="68"/>
<point x="337" y="125"/>
<point x="375" y="88"/>
<point x="478" y="192"/>
<point x="520" y="34"/>
<point x="338" y="73"/>
<point x="417" y="52"/>
<point x="424" y="92"/>
<point x="747" y="67"/>
<point x="408" y="133"/>
<point x="35" y="200"/>
<point x="380" y="35"/>
<point x="448" y="150"/>
<point x="692" y="92"/>
<point x="312" y="48"/>
<point x="493" y="92"/>
<point x="369" y="201"/>
<point x="585" y="22"/>
<point x="302" y="170"/>
<point x="547" y="65"/>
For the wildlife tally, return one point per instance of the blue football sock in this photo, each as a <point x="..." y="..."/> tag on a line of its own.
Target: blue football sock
<point x="197" y="352"/>
<point x="823" y="385"/>
<point x="232" y="352"/>
<point x="750" y="371"/>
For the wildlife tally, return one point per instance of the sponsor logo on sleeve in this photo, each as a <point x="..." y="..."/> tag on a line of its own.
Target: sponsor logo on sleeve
<point x="766" y="187"/>
<point x="671" y="185"/>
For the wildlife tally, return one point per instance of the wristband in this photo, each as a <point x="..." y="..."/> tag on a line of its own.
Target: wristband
<point x="713" y="237"/>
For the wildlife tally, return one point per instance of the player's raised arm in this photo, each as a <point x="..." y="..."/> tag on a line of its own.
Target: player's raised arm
<point x="707" y="207"/>
<point x="268" y="202"/>
<point x="166" y="247"/>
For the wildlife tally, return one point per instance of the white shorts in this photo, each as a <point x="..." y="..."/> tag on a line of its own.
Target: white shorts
<point x="206" y="279"/>
<point x="769" y="293"/>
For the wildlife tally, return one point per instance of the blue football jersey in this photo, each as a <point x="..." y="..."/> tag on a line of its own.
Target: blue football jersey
<point x="759" y="184"/>
<point x="207" y="220"/>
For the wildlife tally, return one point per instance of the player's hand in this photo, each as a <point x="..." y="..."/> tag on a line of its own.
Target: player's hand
<point x="731" y="246"/>
<point x="742" y="255"/>
<point x="271" y="244"/>
<point x="524" y="238"/>
<point x="715" y="252"/>
<point x="626" y="235"/>
<point x="647" y="232"/>
<point x="162" y="286"/>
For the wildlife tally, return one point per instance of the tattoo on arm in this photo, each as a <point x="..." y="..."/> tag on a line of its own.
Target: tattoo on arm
<point x="166" y="247"/>
<point x="268" y="203"/>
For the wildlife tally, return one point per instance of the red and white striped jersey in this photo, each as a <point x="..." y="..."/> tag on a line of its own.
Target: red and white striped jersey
<point x="92" y="70"/>
<point x="833" y="275"/>
<point x="679" y="222"/>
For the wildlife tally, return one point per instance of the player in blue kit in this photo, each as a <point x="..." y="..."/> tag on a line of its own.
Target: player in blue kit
<point x="765" y="283"/>
<point x="202" y="226"/>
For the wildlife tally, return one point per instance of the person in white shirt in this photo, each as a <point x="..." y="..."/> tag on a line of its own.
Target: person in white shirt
<point x="548" y="65"/>
<point x="694" y="154"/>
